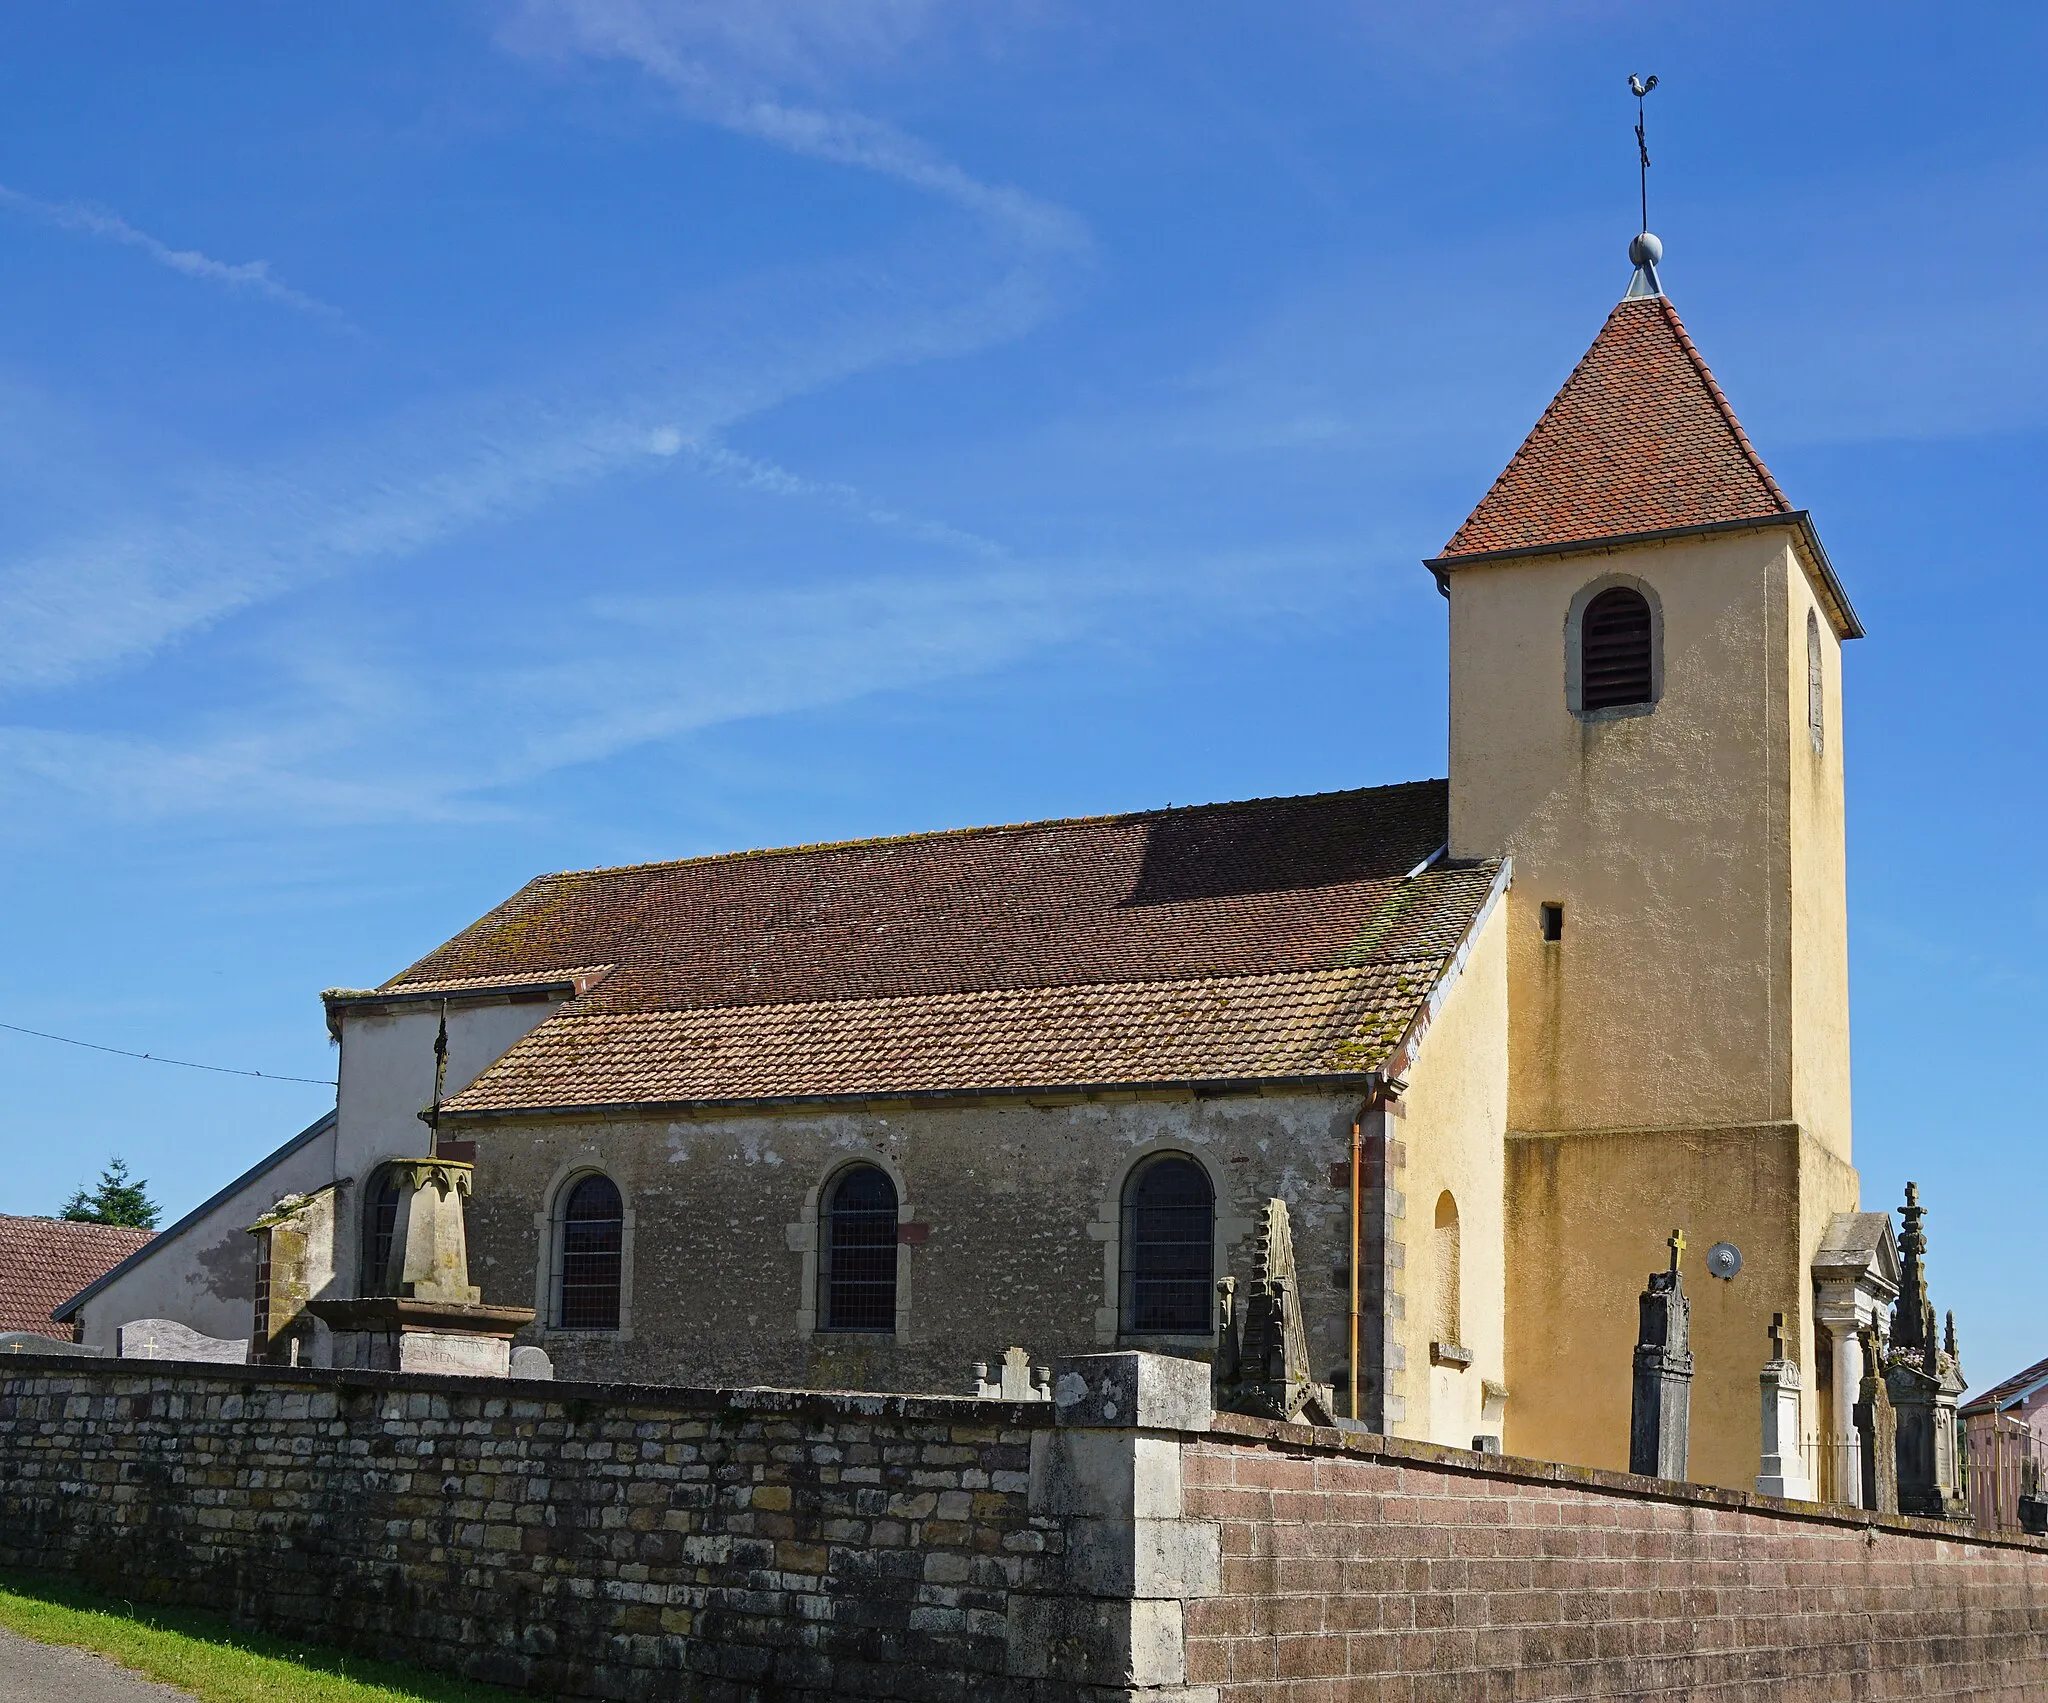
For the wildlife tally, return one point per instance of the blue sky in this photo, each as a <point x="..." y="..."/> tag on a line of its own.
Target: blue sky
<point x="441" y="444"/>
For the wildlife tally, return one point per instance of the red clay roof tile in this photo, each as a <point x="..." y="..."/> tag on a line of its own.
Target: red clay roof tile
<point x="46" y="1261"/>
<point x="1640" y="439"/>
<point x="1279" y="937"/>
<point x="1128" y="1034"/>
<point x="1164" y="895"/>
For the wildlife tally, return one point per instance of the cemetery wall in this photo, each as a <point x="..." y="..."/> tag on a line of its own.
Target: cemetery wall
<point x="578" y="1540"/>
<point x="1401" y="1571"/>
<point x="1121" y="1542"/>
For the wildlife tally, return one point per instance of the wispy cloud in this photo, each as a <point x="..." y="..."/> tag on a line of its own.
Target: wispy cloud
<point x="334" y="731"/>
<point x="234" y="539"/>
<point x="251" y="276"/>
<point x="750" y="473"/>
<point x="343" y="737"/>
<point x="723" y="62"/>
<point x="75" y="609"/>
<point x="228" y="540"/>
<point x="813" y="43"/>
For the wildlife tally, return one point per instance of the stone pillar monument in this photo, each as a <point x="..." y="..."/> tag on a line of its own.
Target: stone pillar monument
<point x="294" y="1261"/>
<point x="1782" y="1471"/>
<point x="1660" y="1412"/>
<point x="436" y="1321"/>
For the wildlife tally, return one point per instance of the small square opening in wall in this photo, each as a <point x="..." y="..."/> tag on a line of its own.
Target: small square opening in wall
<point x="1553" y="923"/>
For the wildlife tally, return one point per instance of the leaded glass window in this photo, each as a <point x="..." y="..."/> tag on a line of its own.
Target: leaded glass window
<point x="1169" y="1249"/>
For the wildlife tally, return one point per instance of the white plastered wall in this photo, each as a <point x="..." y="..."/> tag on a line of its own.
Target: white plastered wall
<point x="387" y="1080"/>
<point x="204" y="1274"/>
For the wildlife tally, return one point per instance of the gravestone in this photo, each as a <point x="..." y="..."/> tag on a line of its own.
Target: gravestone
<point x="1782" y="1469"/>
<point x="294" y="1262"/>
<point x="1877" y="1430"/>
<point x="166" y="1339"/>
<point x="1660" y="1408"/>
<point x="33" y="1342"/>
<point x="436" y="1322"/>
<point x="531" y="1362"/>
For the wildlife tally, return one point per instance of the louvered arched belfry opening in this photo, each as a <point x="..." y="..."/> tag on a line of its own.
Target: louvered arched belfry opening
<point x="1616" y="650"/>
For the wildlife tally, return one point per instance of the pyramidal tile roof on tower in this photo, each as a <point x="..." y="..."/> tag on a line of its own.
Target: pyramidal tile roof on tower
<point x="1640" y="439"/>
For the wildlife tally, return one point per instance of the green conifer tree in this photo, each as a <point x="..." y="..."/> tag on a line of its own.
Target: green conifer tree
<point x="116" y="1201"/>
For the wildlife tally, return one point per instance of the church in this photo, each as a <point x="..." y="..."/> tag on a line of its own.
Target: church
<point x="865" y="1115"/>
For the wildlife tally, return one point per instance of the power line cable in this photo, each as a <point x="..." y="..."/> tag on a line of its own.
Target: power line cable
<point x="152" y="1058"/>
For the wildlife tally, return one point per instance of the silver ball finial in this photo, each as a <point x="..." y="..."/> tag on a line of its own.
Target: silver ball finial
<point x="1645" y="250"/>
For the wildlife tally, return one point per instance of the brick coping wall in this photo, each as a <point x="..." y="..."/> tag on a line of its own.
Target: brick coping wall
<point x="1372" y="1568"/>
<point x="1522" y="1469"/>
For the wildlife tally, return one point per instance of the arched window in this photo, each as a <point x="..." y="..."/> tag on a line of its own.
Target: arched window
<point x="1816" y="697"/>
<point x="382" y="1246"/>
<point x="1615" y="644"/>
<point x="590" y="1240"/>
<point x="857" y="1258"/>
<point x="1169" y="1248"/>
<point x="1449" y="1326"/>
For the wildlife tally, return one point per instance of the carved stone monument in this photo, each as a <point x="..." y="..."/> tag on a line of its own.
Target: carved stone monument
<point x="1925" y="1385"/>
<point x="435" y="1320"/>
<point x="1782" y="1470"/>
<point x="1855" y="1281"/>
<point x="1262" y="1364"/>
<point x="1660" y="1411"/>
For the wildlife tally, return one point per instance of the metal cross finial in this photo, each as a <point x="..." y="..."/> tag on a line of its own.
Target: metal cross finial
<point x="1777" y="1336"/>
<point x="1676" y="1244"/>
<point x="440" y="1080"/>
<point x="1639" y="87"/>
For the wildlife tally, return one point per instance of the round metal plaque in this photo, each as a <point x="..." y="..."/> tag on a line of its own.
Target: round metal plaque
<point x="1724" y="1260"/>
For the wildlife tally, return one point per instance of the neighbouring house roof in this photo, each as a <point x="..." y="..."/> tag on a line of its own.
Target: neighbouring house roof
<point x="156" y="1244"/>
<point x="1640" y="439"/>
<point x="1274" y="939"/>
<point x="2014" y="1392"/>
<point x="44" y="1260"/>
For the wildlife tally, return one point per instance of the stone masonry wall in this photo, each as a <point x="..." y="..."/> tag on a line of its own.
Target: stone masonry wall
<point x="1011" y="1208"/>
<point x="1363" y="1569"/>
<point x="582" y="1541"/>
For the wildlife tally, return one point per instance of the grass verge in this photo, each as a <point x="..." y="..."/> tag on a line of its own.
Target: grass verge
<point x="203" y="1654"/>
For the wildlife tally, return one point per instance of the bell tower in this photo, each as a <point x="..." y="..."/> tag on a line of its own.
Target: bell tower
<point x="1646" y="715"/>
